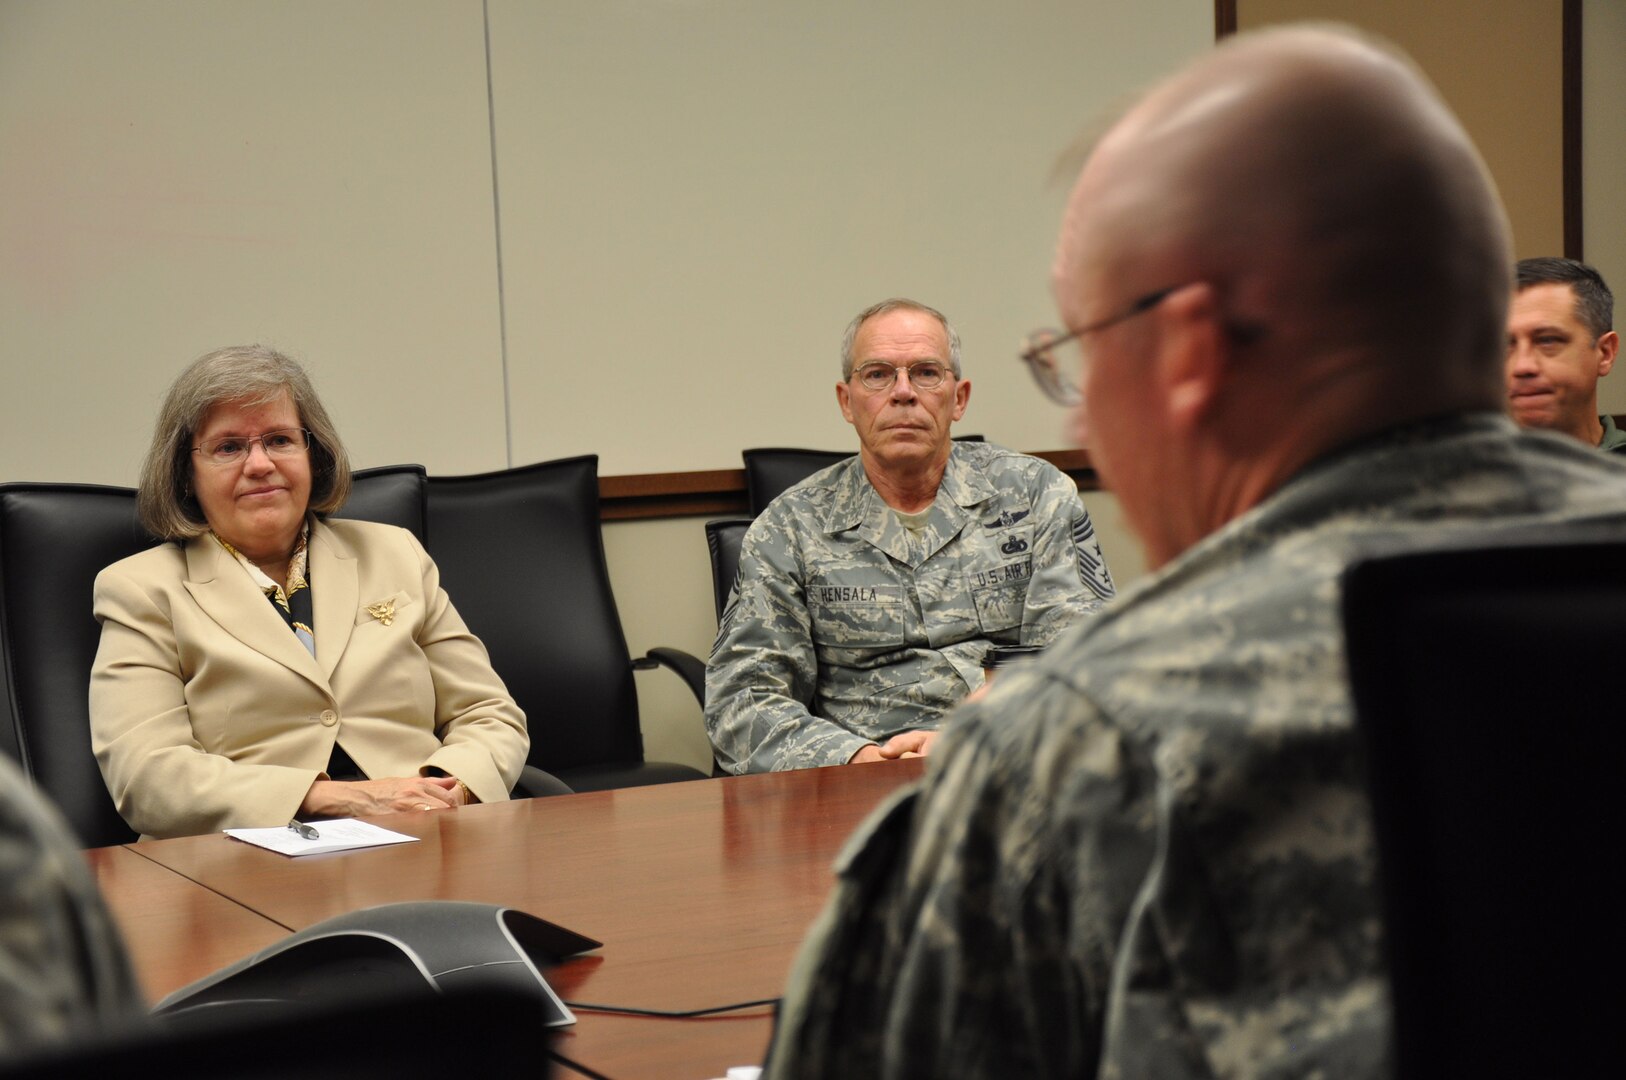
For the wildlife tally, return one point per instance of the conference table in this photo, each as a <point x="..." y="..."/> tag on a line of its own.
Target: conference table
<point x="700" y="891"/>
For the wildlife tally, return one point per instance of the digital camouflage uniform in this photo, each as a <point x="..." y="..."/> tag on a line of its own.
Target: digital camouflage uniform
<point x="844" y="627"/>
<point x="1149" y="853"/>
<point x="63" y="969"/>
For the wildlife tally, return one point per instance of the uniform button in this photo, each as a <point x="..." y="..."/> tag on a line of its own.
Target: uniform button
<point x="329" y="718"/>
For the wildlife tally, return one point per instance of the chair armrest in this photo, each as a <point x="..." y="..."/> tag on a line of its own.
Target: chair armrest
<point x="535" y="784"/>
<point x="689" y="667"/>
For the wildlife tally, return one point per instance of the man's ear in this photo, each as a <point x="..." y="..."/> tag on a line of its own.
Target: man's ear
<point x="844" y="399"/>
<point x="1194" y="353"/>
<point x="1608" y="348"/>
<point x="962" y="394"/>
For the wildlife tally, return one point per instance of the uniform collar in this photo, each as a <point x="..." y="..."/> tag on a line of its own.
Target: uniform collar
<point x="857" y="505"/>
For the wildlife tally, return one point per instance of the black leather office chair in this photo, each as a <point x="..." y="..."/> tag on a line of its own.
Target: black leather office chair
<point x="1483" y="682"/>
<point x="771" y="471"/>
<point x="392" y="494"/>
<point x="521" y="554"/>
<point x="54" y="539"/>
<point x="723" y="537"/>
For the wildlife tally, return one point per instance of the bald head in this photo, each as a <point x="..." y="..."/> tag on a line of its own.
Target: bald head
<point x="1285" y="247"/>
<point x="1317" y="180"/>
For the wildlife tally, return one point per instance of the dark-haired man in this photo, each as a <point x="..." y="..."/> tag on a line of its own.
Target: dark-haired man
<point x="1560" y="342"/>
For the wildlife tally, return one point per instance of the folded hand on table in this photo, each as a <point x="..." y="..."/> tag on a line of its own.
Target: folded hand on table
<point x="355" y="798"/>
<point x="908" y="744"/>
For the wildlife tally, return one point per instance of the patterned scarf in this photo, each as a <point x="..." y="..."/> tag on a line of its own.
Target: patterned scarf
<point x="294" y="605"/>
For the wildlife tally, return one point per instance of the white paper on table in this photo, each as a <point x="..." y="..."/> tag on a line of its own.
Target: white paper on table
<point x="340" y="834"/>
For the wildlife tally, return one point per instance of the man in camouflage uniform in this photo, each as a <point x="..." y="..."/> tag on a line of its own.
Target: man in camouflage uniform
<point x="1150" y="853"/>
<point x="867" y="595"/>
<point x="63" y="969"/>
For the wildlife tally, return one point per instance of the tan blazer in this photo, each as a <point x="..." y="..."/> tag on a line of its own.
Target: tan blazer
<point x="206" y="712"/>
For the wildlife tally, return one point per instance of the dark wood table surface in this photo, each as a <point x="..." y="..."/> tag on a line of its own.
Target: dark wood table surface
<point x="177" y="931"/>
<point x="700" y="891"/>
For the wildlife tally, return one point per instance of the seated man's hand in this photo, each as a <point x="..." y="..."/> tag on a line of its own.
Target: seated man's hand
<point x="350" y="798"/>
<point x="908" y="744"/>
<point x="868" y="752"/>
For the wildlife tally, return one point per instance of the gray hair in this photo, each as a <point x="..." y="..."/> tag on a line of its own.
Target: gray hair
<point x="897" y="303"/>
<point x="1594" y="303"/>
<point x="252" y="375"/>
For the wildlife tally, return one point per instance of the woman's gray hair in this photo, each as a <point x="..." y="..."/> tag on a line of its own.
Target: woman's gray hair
<point x="250" y="375"/>
<point x="897" y="303"/>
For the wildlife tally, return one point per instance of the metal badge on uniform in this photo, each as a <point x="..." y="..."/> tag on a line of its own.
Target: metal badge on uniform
<point x="1006" y="519"/>
<point x="384" y="611"/>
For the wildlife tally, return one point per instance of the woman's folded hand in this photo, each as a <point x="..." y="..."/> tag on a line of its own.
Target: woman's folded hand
<point x="356" y="798"/>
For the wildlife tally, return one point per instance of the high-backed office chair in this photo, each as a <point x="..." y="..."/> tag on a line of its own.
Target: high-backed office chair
<point x="392" y="494"/>
<point x="1483" y="682"/>
<point x="54" y="539"/>
<point x="521" y="553"/>
<point x="723" y="538"/>
<point x="770" y="471"/>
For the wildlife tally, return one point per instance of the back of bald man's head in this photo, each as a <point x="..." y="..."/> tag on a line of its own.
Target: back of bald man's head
<point x="1320" y="180"/>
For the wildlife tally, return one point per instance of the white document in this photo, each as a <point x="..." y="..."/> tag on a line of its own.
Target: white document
<point x="340" y="834"/>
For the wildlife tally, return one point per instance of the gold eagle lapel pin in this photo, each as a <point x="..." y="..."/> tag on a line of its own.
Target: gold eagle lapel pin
<point x="384" y="611"/>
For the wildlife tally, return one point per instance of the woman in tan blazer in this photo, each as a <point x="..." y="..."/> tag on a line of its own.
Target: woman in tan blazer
<point x="267" y="664"/>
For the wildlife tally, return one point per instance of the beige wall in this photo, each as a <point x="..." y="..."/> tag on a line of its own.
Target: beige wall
<point x="637" y="232"/>
<point x="183" y="174"/>
<point x="1603" y="156"/>
<point x="696" y="199"/>
<point x="689" y="200"/>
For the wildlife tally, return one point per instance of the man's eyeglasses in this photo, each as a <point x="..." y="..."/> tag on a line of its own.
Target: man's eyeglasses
<point x="877" y="376"/>
<point x="284" y="443"/>
<point x="1049" y="353"/>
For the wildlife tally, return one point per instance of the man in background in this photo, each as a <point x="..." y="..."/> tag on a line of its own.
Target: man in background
<point x="1559" y="344"/>
<point x="868" y="594"/>
<point x="1283" y="277"/>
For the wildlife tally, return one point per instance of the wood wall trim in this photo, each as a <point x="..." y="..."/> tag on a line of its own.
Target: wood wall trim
<point x="721" y="492"/>
<point x="1224" y="18"/>
<point x="717" y="492"/>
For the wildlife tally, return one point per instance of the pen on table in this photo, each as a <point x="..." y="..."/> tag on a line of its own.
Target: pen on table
<point x="305" y="831"/>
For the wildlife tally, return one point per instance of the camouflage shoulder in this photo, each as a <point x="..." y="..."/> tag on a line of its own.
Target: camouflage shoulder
<point x="1007" y="467"/>
<point x="796" y="518"/>
<point x="814" y="493"/>
<point x="1030" y="707"/>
